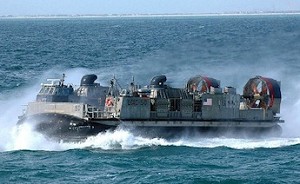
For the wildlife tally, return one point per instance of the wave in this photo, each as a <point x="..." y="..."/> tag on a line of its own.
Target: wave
<point x="125" y="139"/>
<point x="25" y="138"/>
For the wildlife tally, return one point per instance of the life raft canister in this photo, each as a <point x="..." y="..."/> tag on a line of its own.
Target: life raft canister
<point x="109" y="102"/>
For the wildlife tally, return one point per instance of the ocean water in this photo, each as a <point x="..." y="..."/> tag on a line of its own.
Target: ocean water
<point x="230" y="48"/>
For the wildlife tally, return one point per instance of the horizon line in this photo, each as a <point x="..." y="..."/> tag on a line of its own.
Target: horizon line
<point x="241" y="13"/>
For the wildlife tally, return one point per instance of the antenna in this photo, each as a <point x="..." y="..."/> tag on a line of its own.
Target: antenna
<point x="132" y="83"/>
<point x="62" y="80"/>
<point x="116" y="82"/>
<point x="114" y="87"/>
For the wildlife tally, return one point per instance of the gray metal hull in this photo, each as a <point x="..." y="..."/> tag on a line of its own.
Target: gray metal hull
<point x="63" y="127"/>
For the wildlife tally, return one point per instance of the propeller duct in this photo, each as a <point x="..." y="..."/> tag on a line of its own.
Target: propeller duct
<point x="262" y="92"/>
<point x="202" y="84"/>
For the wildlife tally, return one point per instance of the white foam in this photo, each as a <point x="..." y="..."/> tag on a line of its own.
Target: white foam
<point x="13" y="137"/>
<point x="239" y="143"/>
<point x="24" y="138"/>
<point x="124" y="139"/>
<point x="120" y="139"/>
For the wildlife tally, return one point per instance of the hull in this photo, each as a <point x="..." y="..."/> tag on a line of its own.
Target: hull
<point x="70" y="128"/>
<point x="63" y="127"/>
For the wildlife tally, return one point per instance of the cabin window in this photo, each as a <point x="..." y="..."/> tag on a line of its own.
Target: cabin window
<point x="42" y="91"/>
<point x="51" y="90"/>
<point x="46" y="91"/>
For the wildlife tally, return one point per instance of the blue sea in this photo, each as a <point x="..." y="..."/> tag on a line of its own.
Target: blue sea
<point x="229" y="48"/>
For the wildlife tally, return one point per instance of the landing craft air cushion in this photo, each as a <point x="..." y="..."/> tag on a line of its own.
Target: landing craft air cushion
<point x="62" y="112"/>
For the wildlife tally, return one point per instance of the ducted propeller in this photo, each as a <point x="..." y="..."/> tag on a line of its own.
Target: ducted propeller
<point x="261" y="92"/>
<point x="202" y="84"/>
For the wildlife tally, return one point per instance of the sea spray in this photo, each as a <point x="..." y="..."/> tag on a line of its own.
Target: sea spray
<point x="25" y="138"/>
<point x="122" y="139"/>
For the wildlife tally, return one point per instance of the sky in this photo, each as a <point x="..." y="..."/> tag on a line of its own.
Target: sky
<point x="81" y="7"/>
